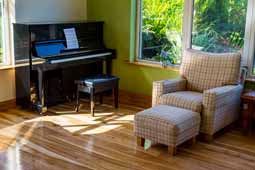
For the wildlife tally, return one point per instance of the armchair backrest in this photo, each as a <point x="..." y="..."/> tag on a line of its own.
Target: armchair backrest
<point x="205" y="71"/>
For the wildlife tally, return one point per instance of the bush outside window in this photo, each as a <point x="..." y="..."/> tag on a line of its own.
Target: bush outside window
<point x="218" y="26"/>
<point x="161" y="29"/>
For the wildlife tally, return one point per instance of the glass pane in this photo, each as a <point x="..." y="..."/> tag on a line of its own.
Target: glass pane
<point x="219" y="25"/>
<point x="1" y="30"/>
<point x="162" y="30"/>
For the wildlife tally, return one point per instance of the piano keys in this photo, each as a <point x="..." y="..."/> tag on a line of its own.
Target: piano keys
<point x="40" y="51"/>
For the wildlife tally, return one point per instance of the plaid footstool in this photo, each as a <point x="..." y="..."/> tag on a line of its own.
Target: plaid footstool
<point x="167" y="125"/>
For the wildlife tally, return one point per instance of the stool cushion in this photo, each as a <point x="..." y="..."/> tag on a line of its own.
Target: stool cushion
<point x="97" y="79"/>
<point x="167" y="125"/>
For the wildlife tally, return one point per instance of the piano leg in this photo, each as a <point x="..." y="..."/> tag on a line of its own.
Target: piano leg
<point x="101" y="98"/>
<point x="41" y="90"/>
<point x="108" y="67"/>
<point x="78" y="99"/>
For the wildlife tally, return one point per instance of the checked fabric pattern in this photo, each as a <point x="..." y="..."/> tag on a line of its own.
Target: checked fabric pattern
<point x="166" y="86"/>
<point x="221" y="107"/>
<point x="205" y="71"/>
<point x="209" y="85"/>
<point x="167" y="125"/>
<point x="183" y="99"/>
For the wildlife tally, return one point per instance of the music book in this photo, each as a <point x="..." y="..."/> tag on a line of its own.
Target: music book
<point x="71" y="38"/>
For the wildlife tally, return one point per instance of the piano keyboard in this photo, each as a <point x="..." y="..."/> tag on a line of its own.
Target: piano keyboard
<point x="57" y="61"/>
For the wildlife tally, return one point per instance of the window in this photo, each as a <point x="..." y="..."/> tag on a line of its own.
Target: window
<point x="167" y="27"/>
<point x="161" y="30"/>
<point x="219" y="25"/>
<point x="4" y="34"/>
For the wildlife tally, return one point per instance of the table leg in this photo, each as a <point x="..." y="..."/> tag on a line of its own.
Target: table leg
<point x="253" y="117"/>
<point x="246" y="116"/>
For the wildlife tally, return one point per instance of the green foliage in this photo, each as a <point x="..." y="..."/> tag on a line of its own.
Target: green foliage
<point x="218" y="26"/>
<point x="162" y="28"/>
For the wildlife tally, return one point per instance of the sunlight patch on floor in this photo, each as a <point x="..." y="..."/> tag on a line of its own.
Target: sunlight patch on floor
<point x="101" y="129"/>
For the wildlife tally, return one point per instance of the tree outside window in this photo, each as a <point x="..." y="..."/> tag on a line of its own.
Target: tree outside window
<point x="218" y="26"/>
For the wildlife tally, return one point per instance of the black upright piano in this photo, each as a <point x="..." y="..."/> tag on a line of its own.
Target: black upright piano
<point x="46" y="68"/>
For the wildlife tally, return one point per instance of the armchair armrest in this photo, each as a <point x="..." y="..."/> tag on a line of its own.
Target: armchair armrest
<point x="167" y="86"/>
<point x="221" y="107"/>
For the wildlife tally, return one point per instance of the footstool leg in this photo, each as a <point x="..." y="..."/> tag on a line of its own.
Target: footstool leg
<point x="140" y="141"/>
<point x="172" y="150"/>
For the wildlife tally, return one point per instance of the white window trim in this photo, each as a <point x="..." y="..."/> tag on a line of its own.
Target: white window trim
<point x="7" y="59"/>
<point x="138" y="32"/>
<point x="187" y="24"/>
<point x="248" y="58"/>
<point x="249" y="40"/>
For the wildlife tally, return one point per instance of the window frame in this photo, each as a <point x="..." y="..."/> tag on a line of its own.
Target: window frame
<point x="249" y="43"/>
<point x="7" y="58"/>
<point x="248" y="55"/>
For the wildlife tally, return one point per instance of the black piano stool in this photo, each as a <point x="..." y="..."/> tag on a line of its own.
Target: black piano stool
<point x="97" y="85"/>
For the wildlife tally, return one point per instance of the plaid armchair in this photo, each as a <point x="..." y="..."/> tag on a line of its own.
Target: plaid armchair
<point x="209" y="84"/>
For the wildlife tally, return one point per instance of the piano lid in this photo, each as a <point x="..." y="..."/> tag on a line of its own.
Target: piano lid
<point x="57" y="23"/>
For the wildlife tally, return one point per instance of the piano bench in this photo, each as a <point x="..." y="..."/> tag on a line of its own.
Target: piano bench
<point x="97" y="85"/>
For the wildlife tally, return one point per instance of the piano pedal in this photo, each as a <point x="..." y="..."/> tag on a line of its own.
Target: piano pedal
<point x="42" y="109"/>
<point x="68" y="99"/>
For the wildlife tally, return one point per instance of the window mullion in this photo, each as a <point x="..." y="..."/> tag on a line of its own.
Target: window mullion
<point x="248" y="54"/>
<point x="187" y="23"/>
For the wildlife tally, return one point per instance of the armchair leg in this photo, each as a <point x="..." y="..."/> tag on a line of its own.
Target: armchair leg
<point x="192" y="141"/>
<point x="208" y="138"/>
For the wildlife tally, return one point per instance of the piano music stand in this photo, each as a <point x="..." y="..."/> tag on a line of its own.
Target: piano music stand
<point x="96" y="85"/>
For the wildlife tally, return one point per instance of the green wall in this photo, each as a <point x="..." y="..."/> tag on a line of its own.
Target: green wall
<point x="117" y="16"/>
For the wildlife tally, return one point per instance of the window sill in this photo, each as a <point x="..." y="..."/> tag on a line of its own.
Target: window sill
<point x="6" y="67"/>
<point x="154" y="65"/>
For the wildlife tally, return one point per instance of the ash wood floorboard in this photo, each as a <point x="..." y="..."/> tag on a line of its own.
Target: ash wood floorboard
<point x="76" y="141"/>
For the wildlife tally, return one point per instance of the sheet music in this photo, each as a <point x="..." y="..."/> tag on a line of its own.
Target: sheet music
<point x="71" y="38"/>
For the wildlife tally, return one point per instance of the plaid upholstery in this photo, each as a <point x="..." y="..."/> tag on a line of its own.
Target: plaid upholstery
<point x="216" y="75"/>
<point x="183" y="99"/>
<point x="166" y="86"/>
<point x="205" y="71"/>
<point x="221" y="107"/>
<point x="167" y="125"/>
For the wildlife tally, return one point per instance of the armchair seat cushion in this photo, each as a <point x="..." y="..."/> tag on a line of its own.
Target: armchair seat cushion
<point x="183" y="99"/>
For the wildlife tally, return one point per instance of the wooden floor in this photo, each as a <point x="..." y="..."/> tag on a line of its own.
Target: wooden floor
<point x="67" y="140"/>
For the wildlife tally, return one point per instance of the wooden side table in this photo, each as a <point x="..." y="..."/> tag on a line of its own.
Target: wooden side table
<point x="248" y="110"/>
